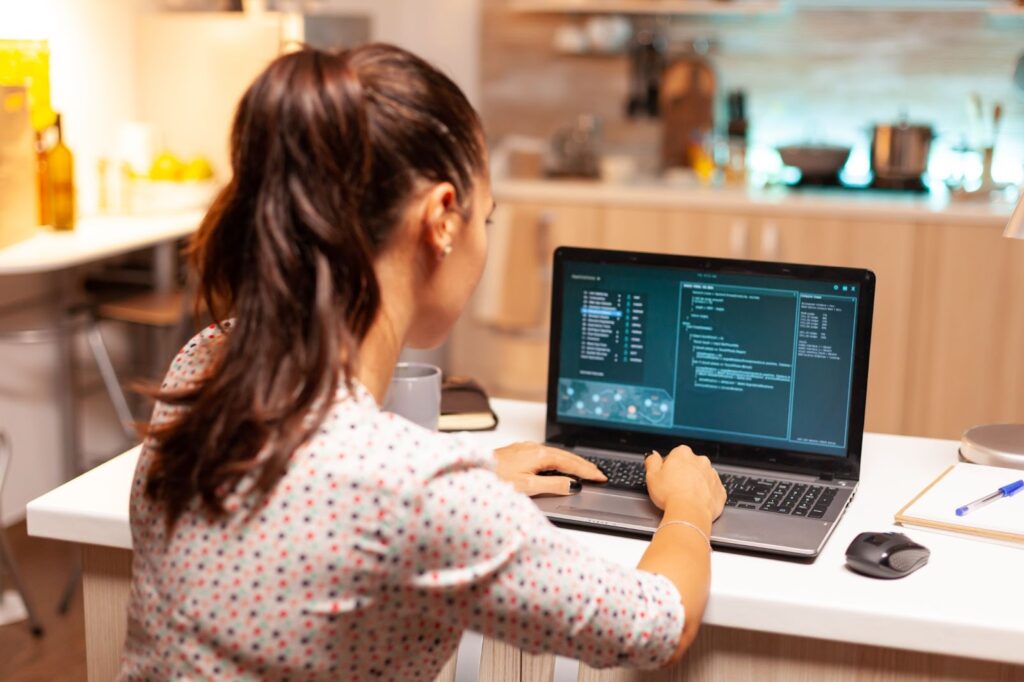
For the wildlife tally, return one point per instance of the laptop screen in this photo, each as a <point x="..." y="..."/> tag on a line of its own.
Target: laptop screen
<point x="714" y="352"/>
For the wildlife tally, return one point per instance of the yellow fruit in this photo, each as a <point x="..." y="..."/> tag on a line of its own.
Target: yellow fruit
<point x="197" y="169"/>
<point x="166" y="166"/>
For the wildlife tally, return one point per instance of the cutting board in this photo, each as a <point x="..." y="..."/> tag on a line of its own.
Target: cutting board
<point x="687" y="104"/>
<point x="19" y="211"/>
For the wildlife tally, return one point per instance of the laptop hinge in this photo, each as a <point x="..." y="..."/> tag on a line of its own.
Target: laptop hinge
<point x="826" y="477"/>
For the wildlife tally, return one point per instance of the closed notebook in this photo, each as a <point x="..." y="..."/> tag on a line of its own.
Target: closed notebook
<point x="935" y="506"/>
<point x="465" y="407"/>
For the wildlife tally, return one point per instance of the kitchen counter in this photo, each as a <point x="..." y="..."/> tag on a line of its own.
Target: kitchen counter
<point x="783" y="202"/>
<point x="962" y="604"/>
<point x="93" y="239"/>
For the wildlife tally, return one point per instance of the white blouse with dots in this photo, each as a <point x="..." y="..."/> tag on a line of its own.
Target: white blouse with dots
<point x="379" y="546"/>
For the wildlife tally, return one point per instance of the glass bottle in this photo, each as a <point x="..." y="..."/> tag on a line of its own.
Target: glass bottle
<point x="43" y="182"/>
<point x="61" y="171"/>
<point x="736" y="165"/>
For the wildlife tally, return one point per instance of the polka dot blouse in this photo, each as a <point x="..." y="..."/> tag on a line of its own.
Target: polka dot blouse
<point x="379" y="546"/>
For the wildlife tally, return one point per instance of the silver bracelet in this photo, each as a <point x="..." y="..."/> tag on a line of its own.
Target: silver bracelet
<point x="689" y="525"/>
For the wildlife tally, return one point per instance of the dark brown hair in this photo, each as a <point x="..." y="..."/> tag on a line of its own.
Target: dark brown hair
<point x="326" y="150"/>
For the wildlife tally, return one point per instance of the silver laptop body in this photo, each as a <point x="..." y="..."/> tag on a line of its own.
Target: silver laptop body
<point x="786" y="494"/>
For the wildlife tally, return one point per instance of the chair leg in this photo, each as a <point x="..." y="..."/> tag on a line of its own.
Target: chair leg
<point x="7" y="558"/>
<point x="106" y="368"/>
<point x="70" y="587"/>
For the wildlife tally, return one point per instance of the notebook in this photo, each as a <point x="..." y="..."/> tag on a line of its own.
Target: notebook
<point x="465" y="407"/>
<point x="935" y="506"/>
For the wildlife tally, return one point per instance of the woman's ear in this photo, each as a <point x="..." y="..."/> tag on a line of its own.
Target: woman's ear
<point x="441" y="220"/>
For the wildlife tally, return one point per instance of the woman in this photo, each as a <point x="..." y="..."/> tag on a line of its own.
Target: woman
<point x="283" y="526"/>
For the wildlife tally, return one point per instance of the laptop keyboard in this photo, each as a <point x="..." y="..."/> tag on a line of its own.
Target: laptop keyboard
<point x="622" y="474"/>
<point x="744" y="492"/>
<point x="781" y="497"/>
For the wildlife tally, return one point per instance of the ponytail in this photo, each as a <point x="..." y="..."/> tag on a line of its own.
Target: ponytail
<point x="326" y="150"/>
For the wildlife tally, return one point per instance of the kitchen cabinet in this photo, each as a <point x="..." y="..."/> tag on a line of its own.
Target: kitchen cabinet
<point x="509" y="316"/>
<point x="502" y="339"/>
<point x="885" y="248"/>
<point x="662" y="230"/>
<point x="945" y="336"/>
<point x="966" y="361"/>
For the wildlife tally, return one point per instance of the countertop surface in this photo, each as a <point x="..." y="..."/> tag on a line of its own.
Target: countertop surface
<point x="966" y="601"/>
<point x="830" y="203"/>
<point x="95" y="239"/>
<point x="102" y="237"/>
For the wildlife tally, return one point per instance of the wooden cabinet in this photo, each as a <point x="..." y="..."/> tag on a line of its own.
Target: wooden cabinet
<point x="967" y="358"/>
<point x="679" y="232"/>
<point x="948" y="325"/>
<point x="502" y="338"/>
<point x="885" y="248"/>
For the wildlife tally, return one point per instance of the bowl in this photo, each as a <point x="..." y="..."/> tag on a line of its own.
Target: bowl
<point x="815" y="160"/>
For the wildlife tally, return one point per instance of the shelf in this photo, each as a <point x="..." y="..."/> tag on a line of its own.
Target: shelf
<point x="692" y="7"/>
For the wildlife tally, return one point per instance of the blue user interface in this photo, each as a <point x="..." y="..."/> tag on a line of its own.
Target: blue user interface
<point x="752" y="359"/>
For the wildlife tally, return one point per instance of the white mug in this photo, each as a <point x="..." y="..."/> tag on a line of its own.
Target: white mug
<point x="415" y="393"/>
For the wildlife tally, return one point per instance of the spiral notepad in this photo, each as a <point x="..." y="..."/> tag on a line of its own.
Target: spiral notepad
<point x="935" y="506"/>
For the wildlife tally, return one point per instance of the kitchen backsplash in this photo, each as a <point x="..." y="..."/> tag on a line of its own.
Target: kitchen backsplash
<point x="811" y="76"/>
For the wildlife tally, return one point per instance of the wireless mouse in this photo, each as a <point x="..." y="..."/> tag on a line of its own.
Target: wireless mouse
<point x="885" y="555"/>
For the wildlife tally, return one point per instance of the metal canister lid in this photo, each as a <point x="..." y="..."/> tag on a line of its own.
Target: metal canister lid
<point x="995" y="445"/>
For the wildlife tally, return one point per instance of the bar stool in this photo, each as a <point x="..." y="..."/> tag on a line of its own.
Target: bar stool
<point x="166" y="316"/>
<point x="7" y="563"/>
<point x="79" y="319"/>
<point x="163" y="315"/>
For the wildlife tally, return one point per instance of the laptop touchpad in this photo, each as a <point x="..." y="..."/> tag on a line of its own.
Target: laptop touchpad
<point x="602" y="502"/>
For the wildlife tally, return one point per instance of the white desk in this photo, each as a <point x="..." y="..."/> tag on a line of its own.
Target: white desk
<point x="966" y="602"/>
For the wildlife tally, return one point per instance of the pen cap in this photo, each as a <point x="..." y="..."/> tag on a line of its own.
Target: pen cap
<point x="1013" y="488"/>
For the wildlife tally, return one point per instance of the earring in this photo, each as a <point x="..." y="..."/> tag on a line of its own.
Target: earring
<point x="446" y="250"/>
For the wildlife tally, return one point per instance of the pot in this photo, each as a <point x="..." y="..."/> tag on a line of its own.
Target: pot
<point x="815" y="161"/>
<point x="900" y="151"/>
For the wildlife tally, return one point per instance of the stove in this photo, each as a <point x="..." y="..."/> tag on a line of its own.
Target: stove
<point x="832" y="181"/>
<point x="899" y="184"/>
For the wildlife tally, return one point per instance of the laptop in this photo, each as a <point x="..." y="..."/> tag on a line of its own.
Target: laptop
<point x="760" y="366"/>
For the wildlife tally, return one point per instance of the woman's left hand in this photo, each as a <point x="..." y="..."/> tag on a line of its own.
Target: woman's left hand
<point x="520" y="463"/>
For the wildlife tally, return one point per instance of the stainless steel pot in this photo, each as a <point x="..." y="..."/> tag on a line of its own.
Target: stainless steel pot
<point x="900" y="151"/>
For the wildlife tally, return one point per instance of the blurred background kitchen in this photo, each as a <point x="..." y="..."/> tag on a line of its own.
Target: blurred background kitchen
<point x="877" y="133"/>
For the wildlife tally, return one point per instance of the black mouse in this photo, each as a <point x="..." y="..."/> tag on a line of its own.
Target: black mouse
<point x="885" y="555"/>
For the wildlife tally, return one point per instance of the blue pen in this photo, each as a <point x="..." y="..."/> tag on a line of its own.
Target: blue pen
<point x="1006" y="491"/>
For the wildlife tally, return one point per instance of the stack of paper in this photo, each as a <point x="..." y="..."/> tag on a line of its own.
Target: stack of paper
<point x="935" y="506"/>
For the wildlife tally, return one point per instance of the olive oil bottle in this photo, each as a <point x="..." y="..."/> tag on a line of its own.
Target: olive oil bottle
<point x="43" y="182"/>
<point x="60" y="169"/>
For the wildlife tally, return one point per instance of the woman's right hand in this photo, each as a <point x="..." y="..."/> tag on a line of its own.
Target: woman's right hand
<point x="684" y="480"/>
<point x="688" y="490"/>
